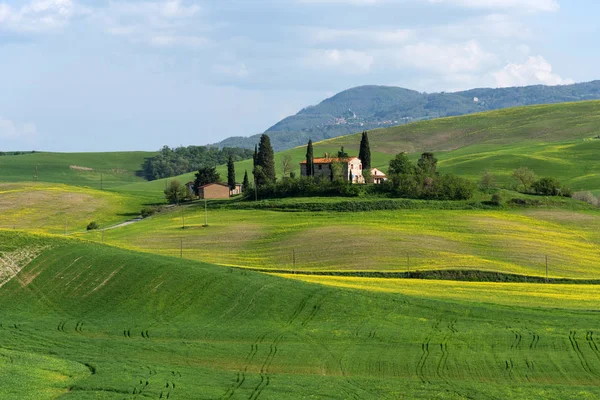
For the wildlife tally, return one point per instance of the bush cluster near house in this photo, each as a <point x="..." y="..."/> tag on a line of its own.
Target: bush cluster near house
<point x="171" y="162"/>
<point x="423" y="181"/>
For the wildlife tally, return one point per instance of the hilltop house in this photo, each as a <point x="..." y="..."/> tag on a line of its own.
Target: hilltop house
<point x="351" y="168"/>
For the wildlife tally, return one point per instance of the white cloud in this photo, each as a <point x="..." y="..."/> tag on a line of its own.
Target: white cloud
<point x="36" y="16"/>
<point x="237" y="70"/>
<point x="347" y="61"/>
<point x="155" y="23"/>
<point x="385" y="37"/>
<point x="536" y="70"/>
<point x="445" y="57"/>
<point x="518" y="5"/>
<point x="13" y="130"/>
<point x="352" y="2"/>
<point x="154" y="9"/>
<point x="178" y="40"/>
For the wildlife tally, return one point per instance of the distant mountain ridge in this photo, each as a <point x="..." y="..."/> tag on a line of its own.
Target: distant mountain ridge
<point x="370" y="107"/>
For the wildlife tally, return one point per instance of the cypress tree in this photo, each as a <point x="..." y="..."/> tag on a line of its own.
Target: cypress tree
<point x="255" y="156"/>
<point x="365" y="152"/>
<point x="231" y="173"/>
<point x="246" y="183"/>
<point x="310" y="159"/>
<point x="265" y="159"/>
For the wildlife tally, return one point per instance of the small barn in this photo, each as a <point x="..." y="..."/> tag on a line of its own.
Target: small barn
<point x="378" y="176"/>
<point x="213" y="191"/>
<point x="237" y="190"/>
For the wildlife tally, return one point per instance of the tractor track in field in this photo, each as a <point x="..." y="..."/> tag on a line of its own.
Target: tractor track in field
<point x="241" y="375"/>
<point x="423" y="360"/>
<point x="535" y="339"/>
<point x="441" y="365"/>
<point x="265" y="376"/>
<point x="530" y="368"/>
<point x="517" y="340"/>
<point x="589" y="337"/>
<point x="578" y="352"/>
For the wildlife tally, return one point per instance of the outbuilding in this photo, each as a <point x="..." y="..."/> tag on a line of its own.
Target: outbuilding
<point x="213" y="191"/>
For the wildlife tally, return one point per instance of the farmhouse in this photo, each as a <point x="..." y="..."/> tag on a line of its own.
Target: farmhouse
<point x="214" y="191"/>
<point x="351" y="168"/>
<point x="378" y="176"/>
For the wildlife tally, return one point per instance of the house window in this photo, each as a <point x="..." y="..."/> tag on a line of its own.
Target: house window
<point x="360" y="166"/>
<point x="351" y="166"/>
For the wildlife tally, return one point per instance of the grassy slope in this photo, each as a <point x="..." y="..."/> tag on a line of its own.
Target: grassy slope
<point x="496" y="240"/>
<point x="116" y="168"/>
<point x="553" y="140"/>
<point x="87" y="321"/>
<point x="46" y="207"/>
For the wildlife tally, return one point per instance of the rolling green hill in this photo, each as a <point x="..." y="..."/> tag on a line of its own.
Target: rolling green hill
<point x="505" y="241"/>
<point x="88" y="321"/>
<point x="80" y="169"/>
<point x="57" y="208"/>
<point x="554" y="140"/>
<point x="371" y="107"/>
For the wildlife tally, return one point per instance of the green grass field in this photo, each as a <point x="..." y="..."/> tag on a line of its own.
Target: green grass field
<point x="48" y="207"/>
<point x="88" y="321"/>
<point x="79" y="169"/>
<point x="161" y="312"/>
<point x="508" y="241"/>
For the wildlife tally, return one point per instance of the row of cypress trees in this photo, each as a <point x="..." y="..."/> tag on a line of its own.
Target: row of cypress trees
<point x="264" y="162"/>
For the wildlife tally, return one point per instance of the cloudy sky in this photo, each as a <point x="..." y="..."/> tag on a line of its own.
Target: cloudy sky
<point x="82" y="75"/>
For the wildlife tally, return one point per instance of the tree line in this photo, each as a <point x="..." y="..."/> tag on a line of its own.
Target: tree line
<point x="180" y="160"/>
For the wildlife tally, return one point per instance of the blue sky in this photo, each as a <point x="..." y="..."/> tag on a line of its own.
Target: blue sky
<point x="81" y="75"/>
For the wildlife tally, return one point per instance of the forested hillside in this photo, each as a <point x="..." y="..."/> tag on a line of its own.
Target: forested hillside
<point x="369" y="107"/>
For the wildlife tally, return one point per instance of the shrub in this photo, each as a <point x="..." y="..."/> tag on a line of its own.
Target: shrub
<point x="93" y="226"/>
<point x="588" y="197"/>
<point x="487" y="182"/>
<point x="496" y="199"/>
<point x="525" y="202"/>
<point x="176" y="192"/>
<point x="524" y="177"/>
<point x="148" y="211"/>
<point x="550" y="187"/>
<point x="306" y="186"/>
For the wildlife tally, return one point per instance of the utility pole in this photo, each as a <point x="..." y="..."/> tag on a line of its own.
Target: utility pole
<point x="205" y="214"/>
<point x="182" y="219"/>
<point x="546" y="269"/>
<point x="408" y="263"/>
<point x="294" y="259"/>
